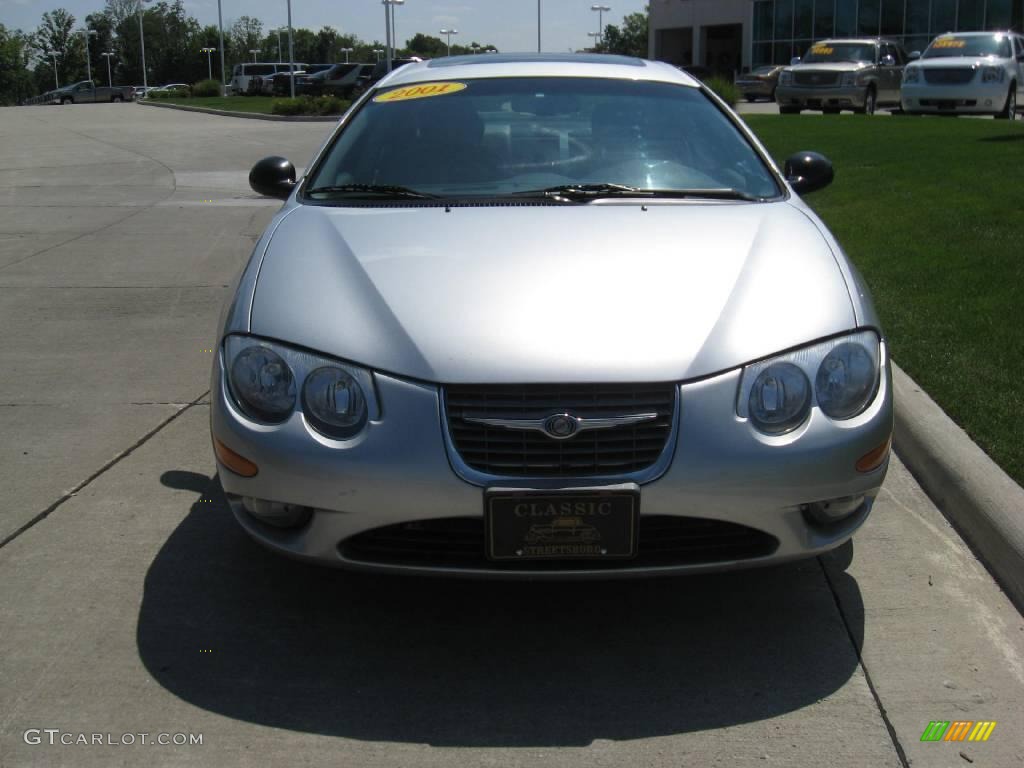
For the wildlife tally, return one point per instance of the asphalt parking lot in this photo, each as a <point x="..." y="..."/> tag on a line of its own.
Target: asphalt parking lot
<point x="130" y="601"/>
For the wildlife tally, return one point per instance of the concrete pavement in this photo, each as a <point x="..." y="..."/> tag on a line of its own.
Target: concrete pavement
<point x="130" y="601"/>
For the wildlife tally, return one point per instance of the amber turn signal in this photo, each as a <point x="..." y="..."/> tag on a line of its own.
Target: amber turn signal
<point x="874" y="458"/>
<point x="237" y="464"/>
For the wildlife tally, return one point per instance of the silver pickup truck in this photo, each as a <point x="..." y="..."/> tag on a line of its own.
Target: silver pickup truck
<point x="87" y="92"/>
<point x="859" y="74"/>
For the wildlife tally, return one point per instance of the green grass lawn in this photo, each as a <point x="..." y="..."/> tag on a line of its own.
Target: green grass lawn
<point x="932" y="213"/>
<point x="261" y="104"/>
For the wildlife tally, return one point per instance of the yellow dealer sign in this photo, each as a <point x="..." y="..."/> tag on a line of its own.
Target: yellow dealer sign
<point x="421" y="91"/>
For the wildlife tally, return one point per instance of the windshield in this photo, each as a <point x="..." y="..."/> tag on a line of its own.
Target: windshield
<point x="823" y="52"/>
<point x="510" y="136"/>
<point x="955" y="45"/>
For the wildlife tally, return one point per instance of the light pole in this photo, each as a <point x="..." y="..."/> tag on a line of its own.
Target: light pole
<point x="108" y="55"/>
<point x="596" y="36"/>
<point x="87" y="33"/>
<point x="538" y="26"/>
<point x="390" y="33"/>
<point x="449" y="33"/>
<point x="56" y="80"/>
<point x="600" y="20"/>
<point x="142" y="47"/>
<point x="291" y="51"/>
<point x="209" y="61"/>
<point x="220" y="27"/>
<point x="377" y="52"/>
<point x="346" y="51"/>
<point x="253" y="51"/>
<point x="475" y="47"/>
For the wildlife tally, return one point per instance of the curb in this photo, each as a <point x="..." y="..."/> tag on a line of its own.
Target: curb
<point x="246" y="115"/>
<point x="982" y="502"/>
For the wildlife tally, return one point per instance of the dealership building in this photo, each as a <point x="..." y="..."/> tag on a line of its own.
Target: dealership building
<point x="728" y="36"/>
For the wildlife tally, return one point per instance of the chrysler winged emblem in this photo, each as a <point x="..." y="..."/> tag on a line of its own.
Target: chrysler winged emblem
<point x="562" y="426"/>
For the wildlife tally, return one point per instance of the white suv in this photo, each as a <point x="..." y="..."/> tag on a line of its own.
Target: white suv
<point x="978" y="73"/>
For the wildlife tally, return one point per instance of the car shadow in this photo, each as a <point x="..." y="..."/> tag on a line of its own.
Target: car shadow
<point x="240" y="631"/>
<point x="1004" y="137"/>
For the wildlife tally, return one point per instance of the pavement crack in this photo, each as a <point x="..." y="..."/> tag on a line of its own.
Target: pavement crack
<point x="893" y="736"/>
<point x="102" y="470"/>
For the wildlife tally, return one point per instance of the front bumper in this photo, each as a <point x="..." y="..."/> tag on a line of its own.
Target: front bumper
<point x="837" y="97"/>
<point x="970" y="99"/>
<point x="398" y="471"/>
<point x="755" y="88"/>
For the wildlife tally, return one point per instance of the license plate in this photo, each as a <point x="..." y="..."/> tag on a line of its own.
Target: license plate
<point x="538" y="525"/>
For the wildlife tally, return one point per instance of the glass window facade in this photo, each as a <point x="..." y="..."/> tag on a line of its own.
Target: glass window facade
<point x="782" y="27"/>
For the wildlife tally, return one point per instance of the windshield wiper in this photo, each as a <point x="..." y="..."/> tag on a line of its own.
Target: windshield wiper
<point x="580" y="192"/>
<point x="384" y="191"/>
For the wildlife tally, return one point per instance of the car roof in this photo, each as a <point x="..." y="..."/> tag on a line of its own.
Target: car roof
<point x="860" y="40"/>
<point x="990" y="33"/>
<point x="495" y="65"/>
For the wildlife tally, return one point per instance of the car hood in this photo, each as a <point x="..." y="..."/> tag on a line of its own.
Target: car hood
<point x="580" y="293"/>
<point x="830" y="66"/>
<point x="945" y="62"/>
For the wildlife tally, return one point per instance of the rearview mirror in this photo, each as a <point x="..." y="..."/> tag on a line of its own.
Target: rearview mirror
<point x="273" y="177"/>
<point x="888" y="60"/>
<point x="808" y="172"/>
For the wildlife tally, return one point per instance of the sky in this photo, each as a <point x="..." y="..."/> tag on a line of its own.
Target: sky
<point x="511" y="25"/>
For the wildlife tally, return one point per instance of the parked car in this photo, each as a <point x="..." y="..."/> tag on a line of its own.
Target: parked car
<point x="339" y="80"/>
<point x="859" y="74"/>
<point x="367" y="80"/>
<point x="511" y="290"/>
<point x="248" y="79"/>
<point x="140" y="91"/>
<point x="760" y="83"/>
<point x="967" y="73"/>
<point x="280" y="84"/>
<point x="87" y="92"/>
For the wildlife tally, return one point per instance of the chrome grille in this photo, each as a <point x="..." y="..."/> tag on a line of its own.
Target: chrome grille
<point x="523" y="453"/>
<point x="816" y="79"/>
<point x="949" y="76"/>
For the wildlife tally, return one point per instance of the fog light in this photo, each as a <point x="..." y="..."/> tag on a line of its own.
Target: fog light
<point x="277" y="513"/>
<point x="833" y="510"/>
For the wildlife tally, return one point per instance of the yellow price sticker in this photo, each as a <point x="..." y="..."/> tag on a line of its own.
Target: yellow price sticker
<point x="421" y="91"/>
<point x="949" y="42"/>
<point x="823" y="50"/>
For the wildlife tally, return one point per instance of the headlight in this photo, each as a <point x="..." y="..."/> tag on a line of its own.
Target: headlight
<point x="263" y="378"/>
<point x="777" y="395"/>
<point x="779" y="399"/>
<point x="911" y="75"/>
<point x="786" y="78"/>
<point x="992" y="74"/>
<point x="846" y="380"/>
<point x="334" y="402"/>
<point x="849" y="78"/>
<point x="263" y="384"/>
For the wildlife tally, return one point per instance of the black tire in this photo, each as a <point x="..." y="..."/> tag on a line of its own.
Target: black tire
<point x="870" y="101"/>
<point x="66" y="100"/>
<point x="771" y="96"/>
<point x="789" y="110"/>
<point x="115" y="98"/>
<point x="1010" y="110"/>
<point x="750" y="99"/>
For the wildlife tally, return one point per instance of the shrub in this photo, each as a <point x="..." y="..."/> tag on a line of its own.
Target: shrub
<point x="206" y="88"/>
<point x="725" y="89"/>
<point x="309" y="105"/>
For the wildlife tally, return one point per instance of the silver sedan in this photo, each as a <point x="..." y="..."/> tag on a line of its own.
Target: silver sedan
<point x="548" y="317"/>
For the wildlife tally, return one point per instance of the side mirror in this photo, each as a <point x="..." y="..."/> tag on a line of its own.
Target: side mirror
<point x="795" y="60"/>
<point x="808" y="172"/>
<point x="888" y="60"/>
<point x="913" y="55"/>
<point x="273" y="177"/>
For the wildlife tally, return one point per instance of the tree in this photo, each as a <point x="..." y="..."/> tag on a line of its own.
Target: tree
<point x="246" y="35"/>
<point x="630" y="39"/>
<point x="102" y="41"/>
<point x="16" y="80"/>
